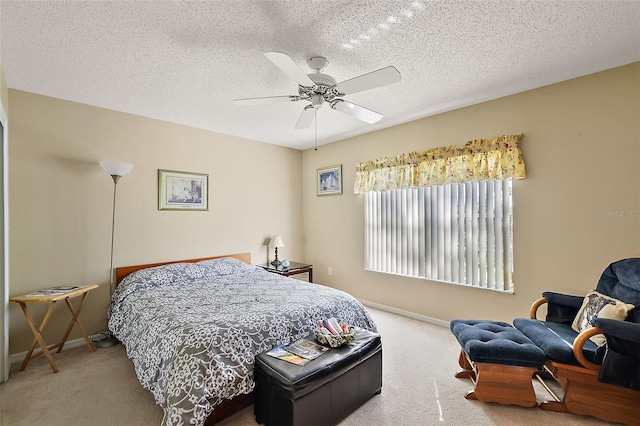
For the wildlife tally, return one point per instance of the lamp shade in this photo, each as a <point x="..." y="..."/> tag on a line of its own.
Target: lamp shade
<point x="115" y="168"/>
<point x="276" y="242"/>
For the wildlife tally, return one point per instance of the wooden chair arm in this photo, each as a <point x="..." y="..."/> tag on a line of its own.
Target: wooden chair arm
<point x="534" y="307"/>
<point x="578" y="344"/>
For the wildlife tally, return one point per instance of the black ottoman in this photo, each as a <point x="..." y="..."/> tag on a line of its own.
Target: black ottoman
<point x="322" y="392"/>
<point x="499" y="359"/>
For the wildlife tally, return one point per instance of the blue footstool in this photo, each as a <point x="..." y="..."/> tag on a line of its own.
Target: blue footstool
<point x="499" y="359"/>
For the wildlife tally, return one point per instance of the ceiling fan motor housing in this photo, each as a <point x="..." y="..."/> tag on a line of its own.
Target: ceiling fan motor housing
<point x="323" y="84"/>
<point x="322" y="79"/>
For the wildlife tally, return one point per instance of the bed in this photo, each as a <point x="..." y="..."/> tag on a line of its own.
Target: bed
<point x="192" y="328"/>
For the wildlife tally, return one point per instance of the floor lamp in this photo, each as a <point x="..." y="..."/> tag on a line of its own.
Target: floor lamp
<point x="116" y="170"/>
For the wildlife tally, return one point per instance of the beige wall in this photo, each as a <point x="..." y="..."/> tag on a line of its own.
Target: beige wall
<point x="61" y="200"/>
<point x="581" y="147"/>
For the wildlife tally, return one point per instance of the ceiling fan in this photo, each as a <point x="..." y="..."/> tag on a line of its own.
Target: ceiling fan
<point x="318" y="88"/>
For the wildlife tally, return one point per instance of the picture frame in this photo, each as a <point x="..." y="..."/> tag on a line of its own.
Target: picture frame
<point x="329" y="180"/>
<point x="179" y="190"/>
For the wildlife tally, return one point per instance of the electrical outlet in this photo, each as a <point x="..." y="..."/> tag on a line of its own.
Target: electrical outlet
<point x="329" y="270"/>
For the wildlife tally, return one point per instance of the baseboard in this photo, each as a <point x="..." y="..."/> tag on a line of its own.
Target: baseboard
<point x="19" y="357"/>
<point x="402" y="312"/>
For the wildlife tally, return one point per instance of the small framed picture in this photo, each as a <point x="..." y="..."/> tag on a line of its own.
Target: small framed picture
<point x="330" y="180"/>
<point x="182" y="190"/>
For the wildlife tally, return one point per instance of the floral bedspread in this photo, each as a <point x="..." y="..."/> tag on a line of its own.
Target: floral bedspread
<point x="192" y="330"/>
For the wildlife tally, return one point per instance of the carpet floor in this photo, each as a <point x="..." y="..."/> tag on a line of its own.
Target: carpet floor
<point x="419" y="388"/>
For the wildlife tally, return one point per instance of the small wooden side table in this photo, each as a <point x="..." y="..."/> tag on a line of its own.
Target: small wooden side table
<point x="293" y="269"/>
<point x="50" y="297"/>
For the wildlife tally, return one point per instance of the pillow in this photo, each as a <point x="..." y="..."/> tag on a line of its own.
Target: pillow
<point x="165" y="274"/>
<point x="225" y="266"/>
<point x="156" y="276"/>
<point x="598" y="305"/>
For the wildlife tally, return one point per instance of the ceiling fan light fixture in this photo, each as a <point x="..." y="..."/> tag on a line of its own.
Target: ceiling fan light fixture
<point x="317" y="100"/>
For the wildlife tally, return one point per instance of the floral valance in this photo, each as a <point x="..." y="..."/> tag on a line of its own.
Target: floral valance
<point x="480" y="159"/>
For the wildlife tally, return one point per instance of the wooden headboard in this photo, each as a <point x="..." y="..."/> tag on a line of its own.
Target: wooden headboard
<point x="126" y="270"/>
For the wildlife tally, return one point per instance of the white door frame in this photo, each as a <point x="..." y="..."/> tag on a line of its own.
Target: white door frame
<point x="4" y="250"/>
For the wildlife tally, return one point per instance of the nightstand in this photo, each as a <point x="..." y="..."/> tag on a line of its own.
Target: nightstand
<point x="50" y="297"/>
<point x="293" y="269"/>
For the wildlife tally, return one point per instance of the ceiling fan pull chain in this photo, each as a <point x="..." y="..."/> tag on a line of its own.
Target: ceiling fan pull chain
<point x="315" y="120"/>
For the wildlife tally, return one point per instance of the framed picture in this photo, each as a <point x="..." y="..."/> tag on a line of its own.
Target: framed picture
<point x="330" y="180"/>
<point x="182" y="190"/>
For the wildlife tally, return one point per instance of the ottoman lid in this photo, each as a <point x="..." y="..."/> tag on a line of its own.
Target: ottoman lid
<point x="496" y="342"/>
<point x="299" y="380"/>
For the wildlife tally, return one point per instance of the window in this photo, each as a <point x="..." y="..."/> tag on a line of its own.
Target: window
<point x="459" y="233"/>
<point x="445" y="214"/>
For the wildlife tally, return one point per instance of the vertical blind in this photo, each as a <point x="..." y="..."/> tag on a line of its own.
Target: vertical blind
<point x="458" y="233"/>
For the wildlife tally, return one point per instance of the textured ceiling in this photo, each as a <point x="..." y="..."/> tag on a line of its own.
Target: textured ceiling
<point x="185" y="62"/>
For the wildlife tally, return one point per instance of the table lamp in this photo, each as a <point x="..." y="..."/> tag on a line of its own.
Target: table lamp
<point x="276" y="242"/>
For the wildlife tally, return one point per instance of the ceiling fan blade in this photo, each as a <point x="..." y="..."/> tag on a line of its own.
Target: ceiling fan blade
<point x="379" y="78"/>
<point x="286" y="64"/>
<point x="262" y="101"/>
<point x="361" y="113"/>
<point x="306" y="117"/>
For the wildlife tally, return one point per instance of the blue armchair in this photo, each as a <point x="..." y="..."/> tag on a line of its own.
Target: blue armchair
<point x="600" y="379"/>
